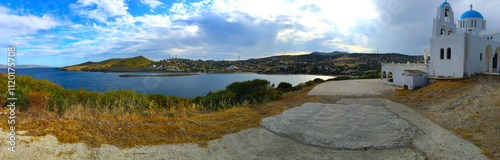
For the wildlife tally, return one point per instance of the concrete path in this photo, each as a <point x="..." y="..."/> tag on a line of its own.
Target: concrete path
<point x="343" y="126"/>
<point x="362" y="87"/>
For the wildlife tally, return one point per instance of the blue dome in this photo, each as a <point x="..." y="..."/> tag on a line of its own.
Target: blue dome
<point x="444" y="3"/>
<point x="471" y="14"/>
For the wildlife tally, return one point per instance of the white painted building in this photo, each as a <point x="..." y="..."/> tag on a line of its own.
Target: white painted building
<point x="458" y="49"/>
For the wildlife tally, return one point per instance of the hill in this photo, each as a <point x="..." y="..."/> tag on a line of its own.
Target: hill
<point x="334" y="63"/>
<point x="134" y="64"/>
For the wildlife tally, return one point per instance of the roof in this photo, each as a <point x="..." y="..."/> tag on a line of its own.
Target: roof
<point x="444" y="4"/>
<point x="414" y="73"/>
<point x="471" y="14"/>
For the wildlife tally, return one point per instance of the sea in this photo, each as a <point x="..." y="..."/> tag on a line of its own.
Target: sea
<point x="182" y="86"/>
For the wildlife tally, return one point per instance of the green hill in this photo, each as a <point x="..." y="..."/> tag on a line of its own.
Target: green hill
<point x="111" y="65"/>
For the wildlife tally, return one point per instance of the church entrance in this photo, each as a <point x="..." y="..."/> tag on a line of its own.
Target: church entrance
<point x="496" y="58"/>
<point x="489" y="59"/>
<point x="495" y="62"/>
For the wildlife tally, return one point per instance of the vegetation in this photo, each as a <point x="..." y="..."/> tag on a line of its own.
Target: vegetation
<point x="117" y="117"/>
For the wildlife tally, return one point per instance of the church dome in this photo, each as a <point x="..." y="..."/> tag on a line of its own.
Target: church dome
<point x="444" y="4"/>
<point x="471" y="14"/>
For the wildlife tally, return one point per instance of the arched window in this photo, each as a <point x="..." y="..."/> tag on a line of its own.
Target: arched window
<point x="447" y="13"/>
<point x="475" y="23"/>
<point x="448" y="53"/>
<point x="441" y="54"/>
<point x="480" y="56"/>
<point x="443" y="31"/>
<point x="450" y="31"/>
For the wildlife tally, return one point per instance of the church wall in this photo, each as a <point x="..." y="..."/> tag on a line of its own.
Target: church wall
<point x="453" y="67"/>
<point x="477" y="45"/>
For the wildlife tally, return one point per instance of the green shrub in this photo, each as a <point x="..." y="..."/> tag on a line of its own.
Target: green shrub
<point x="284" y="87"/>
<point x="310" y="83"/>
<point x="318" y="80"/>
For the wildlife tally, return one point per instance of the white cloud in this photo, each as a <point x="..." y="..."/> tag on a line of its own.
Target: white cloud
<point x="104" y="9"/>
<point x="12" y="25"/>
<point x="154" y="20"/>
<point x="343" y="45"/>
<point x="152" y="3"/>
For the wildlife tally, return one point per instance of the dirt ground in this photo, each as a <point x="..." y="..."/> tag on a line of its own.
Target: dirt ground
<point x="470" y="107"/>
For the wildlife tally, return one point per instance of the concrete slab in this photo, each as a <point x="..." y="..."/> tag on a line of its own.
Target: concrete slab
<point x="342" y="126"/>
<point x="361" y="87"/>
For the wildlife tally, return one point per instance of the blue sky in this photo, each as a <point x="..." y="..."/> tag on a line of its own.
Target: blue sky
<point x="68" y="32"/>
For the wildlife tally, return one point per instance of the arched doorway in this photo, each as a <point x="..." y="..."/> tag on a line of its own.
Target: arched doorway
<point x="383" y="75"/>
<point x="489" y="58"/>
<point x="389" y="77"/>
<point x="496" y="59"/>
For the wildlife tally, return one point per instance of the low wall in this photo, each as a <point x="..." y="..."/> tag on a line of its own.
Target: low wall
<point x="397" y="70"/>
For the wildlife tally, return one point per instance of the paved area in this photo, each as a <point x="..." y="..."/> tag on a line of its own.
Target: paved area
<point x="342" y="126"/>
<point x="362" y="87"/>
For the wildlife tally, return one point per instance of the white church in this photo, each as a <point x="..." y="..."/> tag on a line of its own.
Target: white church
<point x="458" y="50"/>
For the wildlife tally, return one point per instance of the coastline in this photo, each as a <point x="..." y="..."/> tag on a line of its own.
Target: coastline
<point x="262" y="73"/>
<point x="159" y="75"/>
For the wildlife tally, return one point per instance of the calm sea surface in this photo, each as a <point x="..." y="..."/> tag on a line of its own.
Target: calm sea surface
<point x="183" y="86"/>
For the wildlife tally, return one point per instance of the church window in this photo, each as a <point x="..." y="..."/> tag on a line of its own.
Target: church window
<point x="480" y="56"/>
<point x="475" y="23"/>
<point x="441" y="54"/>
<point x="471" y="23"/>
<point x="442" y="31"/>
<point x="450" y="32"/>
<point x="448" y="53"/>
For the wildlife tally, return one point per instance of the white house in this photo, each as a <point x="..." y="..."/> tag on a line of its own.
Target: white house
<point x="458" y="49"/>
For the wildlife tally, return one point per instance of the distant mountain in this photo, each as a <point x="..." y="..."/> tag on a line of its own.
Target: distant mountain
<point x="26" y="66"/>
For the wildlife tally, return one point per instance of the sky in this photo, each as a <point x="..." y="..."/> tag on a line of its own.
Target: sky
<point x="68" y="32"/>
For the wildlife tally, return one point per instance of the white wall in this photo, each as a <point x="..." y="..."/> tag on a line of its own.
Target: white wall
<point x="453" y="67"/>
<point x="477" y="45"/>
<point x="415" y="81"/>
<point x="398" y="69"/>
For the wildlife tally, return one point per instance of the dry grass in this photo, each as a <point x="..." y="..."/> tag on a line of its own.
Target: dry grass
<point x="95" y="128"/>
<point x="468" y="107"/>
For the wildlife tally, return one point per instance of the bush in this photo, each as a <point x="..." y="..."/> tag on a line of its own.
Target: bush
<point x="310" y="83"/>
<point x="256" y="90"/>
<point x="239" y="93"/>
<point x="284" y="87"/>
<point x="318" y="80"/>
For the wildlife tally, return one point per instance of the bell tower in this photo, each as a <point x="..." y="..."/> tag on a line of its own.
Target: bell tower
<point x="444" y="23"/>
